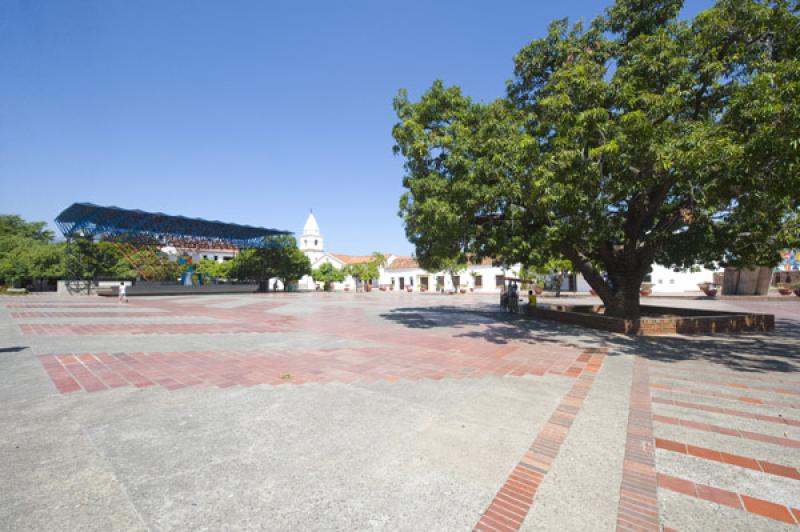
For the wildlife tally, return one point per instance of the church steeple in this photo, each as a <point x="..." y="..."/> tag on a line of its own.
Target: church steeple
<point x="312" y="238"/>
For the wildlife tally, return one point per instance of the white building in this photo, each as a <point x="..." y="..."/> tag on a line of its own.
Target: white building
<point x="311" y="244"/>
<point x="217" y="254"/>
<point x="399" y="273"/>
<point x="668" y="280"/>
<point x="404" y="273"/>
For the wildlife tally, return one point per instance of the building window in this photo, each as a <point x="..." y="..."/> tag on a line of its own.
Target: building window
<point x="315" y="242"/>
<point x="216" y="257"/>
<point x="440" y="282"/>
<point x="478" y="281"/>
<point x="456" y="281"/>
<point x="499" y="280"/>
<point x="205" y="257"/>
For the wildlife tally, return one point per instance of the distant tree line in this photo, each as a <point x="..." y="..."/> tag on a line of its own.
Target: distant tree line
<point x="30" y="256"/>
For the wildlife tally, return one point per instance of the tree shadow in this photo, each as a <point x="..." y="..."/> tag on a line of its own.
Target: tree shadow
<point x="15" y="349"/>
<point x="493" y="325"/>
<point x="775" y="351"/>
<point x="749" y="352"/>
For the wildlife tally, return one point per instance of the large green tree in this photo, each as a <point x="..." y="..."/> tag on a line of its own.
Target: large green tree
<point x="328" y="275"/>
<point x="366" y="271"/>
<point x="27" y="252"/>
<point x="634" y="139"/>
<point x="279" y="258"/>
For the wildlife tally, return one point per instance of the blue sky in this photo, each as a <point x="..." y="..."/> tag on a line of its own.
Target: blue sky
<point x="247" y="112"/>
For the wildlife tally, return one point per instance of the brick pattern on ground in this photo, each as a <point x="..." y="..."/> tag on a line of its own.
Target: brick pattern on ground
<point x="513" y="501"/>
<point x="768" y="509"/>
<point x="728" y="458"/>
<point x="399" y="352"/>
<point x="93" y="372"/>
<point x="720" y="395"/>
<point x="722" y="416"/>
<point x="428" y="354"/>
<point x="27" y="314"/>
<point x="638" y="498"/>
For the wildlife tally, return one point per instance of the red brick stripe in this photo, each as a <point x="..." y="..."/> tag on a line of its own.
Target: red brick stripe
<point x="638" y="499"/>
<point x="720" y="395"/>
<point x="727" y="458"/>
<point x="768" y="509"/>
<point x="707" y="427"/>
<point x="738" y="385"/>
<point x="511" y="504"/>
<point x="80" y="314"/>
<point x="728" y="411"/>
<point x="752" y="376"/>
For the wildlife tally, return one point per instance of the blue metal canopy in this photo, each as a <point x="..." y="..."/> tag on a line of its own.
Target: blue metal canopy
<point x="87" y="219"/>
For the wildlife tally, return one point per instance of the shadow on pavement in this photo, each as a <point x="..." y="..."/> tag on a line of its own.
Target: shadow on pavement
<point x="750" y="352"/>
<point x="14" y="349"/>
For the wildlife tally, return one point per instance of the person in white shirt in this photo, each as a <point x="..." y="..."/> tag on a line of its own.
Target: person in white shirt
<point x="122" y="292"/>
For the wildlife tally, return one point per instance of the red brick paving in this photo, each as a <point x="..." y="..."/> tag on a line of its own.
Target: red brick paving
<point x="433" y="353"/>
<point x="83" y="314"/>
<point x="123" y="329"/>
<point x="638" y="498"/>
<point x="719" y="395"/>
<point x="513" y="501"/>
<point x="726" y="458"/>
<point x="723" y="497"/>
<point x="768" y="509"/>
<point x="738" y="385"/>
<point x="95" y="372"/>
<point x="728" y="411"/>
<point x="707" y="427"/>
<point x="60" y="304"/>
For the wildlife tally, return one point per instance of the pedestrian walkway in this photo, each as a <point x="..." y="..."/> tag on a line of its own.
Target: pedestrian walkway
<point x="389" y="412"/>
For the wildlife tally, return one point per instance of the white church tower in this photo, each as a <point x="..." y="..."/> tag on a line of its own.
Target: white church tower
<point x="311" y="241"/>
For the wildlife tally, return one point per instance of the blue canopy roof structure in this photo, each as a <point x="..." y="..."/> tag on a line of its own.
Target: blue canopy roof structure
<point x="87" y="219"/>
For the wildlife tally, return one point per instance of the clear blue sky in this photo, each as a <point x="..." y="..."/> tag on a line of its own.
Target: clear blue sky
<point x="245" y="111"/>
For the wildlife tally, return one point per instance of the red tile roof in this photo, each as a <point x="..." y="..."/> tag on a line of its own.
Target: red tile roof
<point x="400" y="263"/>
<point x="353" y="259"/>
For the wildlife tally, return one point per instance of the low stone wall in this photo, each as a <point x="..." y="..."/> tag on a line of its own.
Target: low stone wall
<point x="688" y="321"/>
<point x="148" y="289"/>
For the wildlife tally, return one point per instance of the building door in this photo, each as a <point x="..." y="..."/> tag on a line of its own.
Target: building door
<point x="456" y="282"/>
<point x="423" y="283"/>
<point x="401" y="280"/>
<point x="440" y="282"/>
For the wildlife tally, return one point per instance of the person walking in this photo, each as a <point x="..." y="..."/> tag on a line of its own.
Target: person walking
<point x="513" y="298"/>
<point x="122" y="293"/>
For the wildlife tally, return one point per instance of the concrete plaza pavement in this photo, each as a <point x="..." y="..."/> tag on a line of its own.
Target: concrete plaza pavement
<point x="387" y="411"/>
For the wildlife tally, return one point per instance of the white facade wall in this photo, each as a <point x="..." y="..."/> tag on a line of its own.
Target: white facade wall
<point x="666" y="280"/>
<point x="413" y="277"/>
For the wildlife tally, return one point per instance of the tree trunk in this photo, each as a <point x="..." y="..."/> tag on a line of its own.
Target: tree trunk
<point x="620" y="290"/>
<point x="623" y="301"/>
